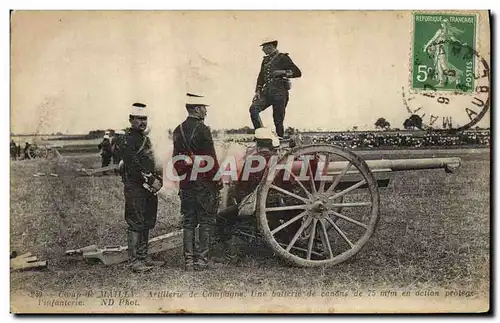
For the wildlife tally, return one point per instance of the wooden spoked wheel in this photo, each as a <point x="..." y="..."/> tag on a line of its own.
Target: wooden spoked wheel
<point x="37" y="152"/>
<point x="322" y="214"/>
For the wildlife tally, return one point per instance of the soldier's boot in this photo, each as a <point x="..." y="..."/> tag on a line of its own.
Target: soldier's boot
<point x="135" y="251"/>
<point x="188" y="240"/>
<point x="148" y="260"/>
<point x="132" y="241"/>
<point x="203" y="250"/>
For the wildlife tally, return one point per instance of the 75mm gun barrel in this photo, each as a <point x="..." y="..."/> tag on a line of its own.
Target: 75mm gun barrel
<point x="450" y="165"/>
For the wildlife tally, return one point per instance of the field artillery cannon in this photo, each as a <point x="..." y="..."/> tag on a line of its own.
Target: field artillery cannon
<point x="326" y="217"/>
<point x="41" y="151"/>
<point x="318" y="205"/>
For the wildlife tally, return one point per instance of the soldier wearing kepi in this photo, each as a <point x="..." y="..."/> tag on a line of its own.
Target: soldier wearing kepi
<point x="139" y="175"/>
<point x="200" y="195"/>
<point x="273" y="85"/>
<point x="106" y="152"/>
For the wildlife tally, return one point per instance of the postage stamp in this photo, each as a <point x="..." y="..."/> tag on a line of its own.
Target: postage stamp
<point x="436" y="38"/>
<point x="449" y="81"/>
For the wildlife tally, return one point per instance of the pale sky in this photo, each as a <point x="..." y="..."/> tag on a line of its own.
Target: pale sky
<point x="78" y="71"/>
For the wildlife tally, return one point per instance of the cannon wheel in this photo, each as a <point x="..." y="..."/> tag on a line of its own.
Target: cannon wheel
<point x="37" y="152"/>
<point x="318" y="212"/>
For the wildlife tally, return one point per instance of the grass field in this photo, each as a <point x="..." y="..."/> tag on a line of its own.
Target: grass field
<point x="434" y="233"/>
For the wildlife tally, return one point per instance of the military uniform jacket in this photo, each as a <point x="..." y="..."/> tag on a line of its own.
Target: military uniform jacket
<point x="137" y="156"/>
<point x="274" y="62"/>
<point x="105" y="147"/>
<point x="199" y="143"/>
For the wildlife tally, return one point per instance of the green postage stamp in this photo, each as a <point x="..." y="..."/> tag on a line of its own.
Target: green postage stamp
<point x="443" y="52"/>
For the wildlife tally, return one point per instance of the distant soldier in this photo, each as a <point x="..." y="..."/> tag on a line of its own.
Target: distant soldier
<point x="141" y="204"/>
<point x="13" y="150"/>
<point x="273" y="85"/>
<point x="116" y="140"/>
<point x="27" y="148"/>
<point x="199" y="197"/>
<point x="106" y="153"/>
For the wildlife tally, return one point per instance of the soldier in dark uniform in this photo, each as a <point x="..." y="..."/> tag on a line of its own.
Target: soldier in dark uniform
<point x="13" y="150"/>
<point x="273" y="85"/>
<point x="200" y="196"/>
<point x="141" y="205"/>
<point x="115" y="147"/>
<point x="266" y="144"/>
<point x="27" y="147"/>
<point x="106" y="153"/>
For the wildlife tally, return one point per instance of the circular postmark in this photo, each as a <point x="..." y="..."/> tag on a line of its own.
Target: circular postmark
<point x="455" y="93"/>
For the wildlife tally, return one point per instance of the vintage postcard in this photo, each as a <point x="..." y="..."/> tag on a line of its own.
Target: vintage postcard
<point x="250" y="161"/>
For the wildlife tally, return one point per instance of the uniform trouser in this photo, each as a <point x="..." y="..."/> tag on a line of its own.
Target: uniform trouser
<point x="116" y="161"/>
<point x="106" y="159"/>
<point x="116" y="158"/>
<point x="140" y="214"/>
<point x="225" y="226"/>
<point x="199" y="204"/>
<point x="278" y="99"/>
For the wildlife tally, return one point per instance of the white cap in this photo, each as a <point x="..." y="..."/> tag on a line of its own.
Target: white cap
<point x="196" y="99"/>
<point x="106" y="137"/>
<point x="268" y="40"/>
<point x="266" y="133"/>
<point x="138" y="110"/>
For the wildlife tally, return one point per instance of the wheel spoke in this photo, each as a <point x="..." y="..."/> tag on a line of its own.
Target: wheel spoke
<point x="292" y="220"/>
<point x="284" y="245"/>
<point x="286" y="208"/>
<point x="342" y="234"/>
<point x="289" y="193"/>
<point x="353" y="204"/>
<point x="347" y="190"/>
<point x="325" y="171"/>
<point x="324" y="239"/>
<point x="349" y="219"/>
<point x="311" y="178"/>
<point x="311" y="239"/>
<point x="337" y="179"/>
<point x="297" y="234"/>
<point x="299" y="182"/>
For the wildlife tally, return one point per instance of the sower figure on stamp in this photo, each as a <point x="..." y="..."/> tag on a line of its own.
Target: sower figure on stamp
<point x="199" y="193"/>
<point x="273" y="85"/>
<point x="139" y="174"/>
<point x="438" y="47"/>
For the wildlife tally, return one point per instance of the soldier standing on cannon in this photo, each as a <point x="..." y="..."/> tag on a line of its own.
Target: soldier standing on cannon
<point x="141" y="204"/>
<point x="199" y="194"/>
<point x="273" y="85"/>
